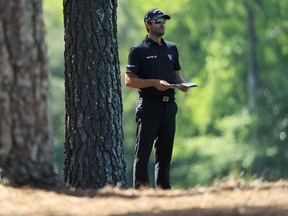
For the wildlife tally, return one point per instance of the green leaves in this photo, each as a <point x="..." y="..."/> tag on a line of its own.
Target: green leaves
<point x="212" y="40"/>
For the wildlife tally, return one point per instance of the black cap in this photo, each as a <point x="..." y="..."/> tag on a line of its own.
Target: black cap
<point x="154" y="14"/>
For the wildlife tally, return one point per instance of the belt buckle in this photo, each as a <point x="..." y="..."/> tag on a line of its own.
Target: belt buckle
<point x="165" y="98"/>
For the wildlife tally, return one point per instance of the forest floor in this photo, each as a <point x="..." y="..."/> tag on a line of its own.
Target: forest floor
<point x="223" y="198"/>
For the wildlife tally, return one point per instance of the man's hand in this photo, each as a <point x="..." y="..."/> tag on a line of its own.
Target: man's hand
<point x="183" y="88"/>
<point x="161" y="85"/>
<point x="180" y="79"/>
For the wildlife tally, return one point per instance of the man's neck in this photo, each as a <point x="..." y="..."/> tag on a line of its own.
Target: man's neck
<point x="155" y="38"/>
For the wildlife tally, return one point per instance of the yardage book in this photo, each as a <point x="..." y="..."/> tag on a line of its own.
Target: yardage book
<point x="187" y="84"/>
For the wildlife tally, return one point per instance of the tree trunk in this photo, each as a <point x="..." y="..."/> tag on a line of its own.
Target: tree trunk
<point x="26" y="150"/>
<point x="252" y="66"/>
<point x="252" y="84"/>
<point x="94" y="151"/>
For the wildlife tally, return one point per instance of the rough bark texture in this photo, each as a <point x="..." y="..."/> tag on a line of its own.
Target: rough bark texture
<point x="26" y="150"/>
<point x="93" y="152"/>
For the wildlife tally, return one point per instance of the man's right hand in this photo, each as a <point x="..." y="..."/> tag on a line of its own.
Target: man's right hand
<point x="132" y="81"/>
<point x="161" y="85"/>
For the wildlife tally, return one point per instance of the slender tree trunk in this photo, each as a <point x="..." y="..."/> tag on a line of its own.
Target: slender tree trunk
<point x="94" y="151"/>
<point x="252" y="66"/>
<point x="252" y="83"/>
<point x="26" y="150"/>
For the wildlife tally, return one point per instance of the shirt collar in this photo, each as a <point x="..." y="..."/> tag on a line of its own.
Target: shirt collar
<point x="150" y="42"/>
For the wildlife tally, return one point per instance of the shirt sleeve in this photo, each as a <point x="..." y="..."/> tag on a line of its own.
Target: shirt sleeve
<point x="177" y="66"/>
<point x="133" y="64"/>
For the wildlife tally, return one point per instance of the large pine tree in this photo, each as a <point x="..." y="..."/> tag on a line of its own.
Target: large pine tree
<point x="94" y="151"/>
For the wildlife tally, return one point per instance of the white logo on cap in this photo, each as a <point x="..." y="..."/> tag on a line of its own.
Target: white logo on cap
<point x="157" y="11"/>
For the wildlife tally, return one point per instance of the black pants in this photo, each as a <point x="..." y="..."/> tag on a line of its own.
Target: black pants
<point x="155" y="124"/>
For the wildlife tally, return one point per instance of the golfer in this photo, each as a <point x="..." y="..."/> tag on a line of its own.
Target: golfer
<point x="152" y="66"/>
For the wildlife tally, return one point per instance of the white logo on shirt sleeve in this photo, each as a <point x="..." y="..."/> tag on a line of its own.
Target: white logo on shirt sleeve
<point x="130" y="66"/>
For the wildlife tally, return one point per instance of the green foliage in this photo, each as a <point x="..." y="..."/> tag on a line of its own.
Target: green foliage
<point x="214" y="135"/>
<point x="58" y="109"/>
<point x="202" y="159"/>
<point x="53" y="14"/>
<point x="55" y="41"/>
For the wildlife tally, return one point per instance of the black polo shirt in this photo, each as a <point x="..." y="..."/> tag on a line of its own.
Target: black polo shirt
<point x="149" y="60"/>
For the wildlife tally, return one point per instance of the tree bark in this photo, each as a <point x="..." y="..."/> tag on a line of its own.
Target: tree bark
<point x="26" y="150"/>
<point x="93" y="151"/>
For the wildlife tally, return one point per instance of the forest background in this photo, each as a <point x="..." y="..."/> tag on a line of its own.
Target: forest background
<point x="236" y="122"/>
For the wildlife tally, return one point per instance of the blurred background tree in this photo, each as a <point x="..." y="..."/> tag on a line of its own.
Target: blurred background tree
<point x="218" y="134"/>
<point x="26" y="150"/>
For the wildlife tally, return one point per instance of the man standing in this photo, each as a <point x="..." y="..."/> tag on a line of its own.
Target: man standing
<point x="152" y="66"/>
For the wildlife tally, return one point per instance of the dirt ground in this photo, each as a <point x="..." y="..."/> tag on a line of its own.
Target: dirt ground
<point x="229" y="198"/>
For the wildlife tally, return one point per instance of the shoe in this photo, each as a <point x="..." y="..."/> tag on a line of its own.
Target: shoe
<point x="141" y="185"/>
<point x="160" y="187"/>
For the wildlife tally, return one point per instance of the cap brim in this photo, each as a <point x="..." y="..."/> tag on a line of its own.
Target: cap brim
<point x="165" y="16"/>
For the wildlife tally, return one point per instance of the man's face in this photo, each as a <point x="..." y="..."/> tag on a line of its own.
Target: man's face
<point x="157" y="27"/>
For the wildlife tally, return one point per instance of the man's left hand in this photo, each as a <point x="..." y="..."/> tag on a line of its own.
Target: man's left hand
<point x="183" y="88"/>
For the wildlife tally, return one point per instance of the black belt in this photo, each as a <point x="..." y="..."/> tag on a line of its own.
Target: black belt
<point x="163" y="98"/>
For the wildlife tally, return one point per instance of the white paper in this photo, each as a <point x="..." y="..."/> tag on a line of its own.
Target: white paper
<point x="186" y="84"/>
